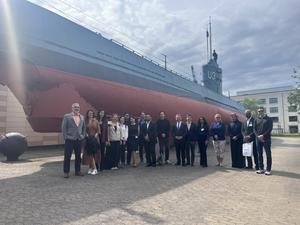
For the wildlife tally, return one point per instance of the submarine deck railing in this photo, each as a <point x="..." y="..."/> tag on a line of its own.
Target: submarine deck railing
<point x="149" y="59"/>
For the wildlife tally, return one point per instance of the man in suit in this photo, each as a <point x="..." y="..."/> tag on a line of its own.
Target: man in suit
<point x="141" y="121"/>
<point x="163" y="130"/>
<point x="263" y="126"/>
<point x="74" y="131"/>
<point x="190" y="140"/>
<point x="179" y="131"/>
<point x="249" y="136"/>
<point x="150" y="136"/>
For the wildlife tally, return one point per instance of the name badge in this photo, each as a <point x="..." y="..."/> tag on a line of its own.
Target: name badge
<point x="202" y="129"/>
<point x="136" y="136"/>
<point x="250" y="125"/>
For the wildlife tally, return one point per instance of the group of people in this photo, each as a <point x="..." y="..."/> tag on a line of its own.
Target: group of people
<point x="105" y="142"/>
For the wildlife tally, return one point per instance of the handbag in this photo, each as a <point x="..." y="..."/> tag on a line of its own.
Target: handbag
<point x="248" y="149"/>
<point x="135" y="158"/>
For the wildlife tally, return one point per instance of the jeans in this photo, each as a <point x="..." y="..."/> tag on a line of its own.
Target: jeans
<point x="164" y="147"/>
<point x="202" y="149"/>
<point x="267" y="145"/>
<point x="190" y="147"/>
<point x="69" y="146"/>
<point x="122" y="153"/>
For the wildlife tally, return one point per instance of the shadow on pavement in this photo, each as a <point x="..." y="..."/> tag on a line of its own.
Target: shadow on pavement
<point x="57" y="200"/>
<point x="286" y="174"/>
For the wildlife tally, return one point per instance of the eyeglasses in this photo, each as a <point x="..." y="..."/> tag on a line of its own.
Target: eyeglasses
<point x="260" y="110"/>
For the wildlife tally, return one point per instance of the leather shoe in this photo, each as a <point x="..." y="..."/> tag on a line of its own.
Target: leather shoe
<point x="79" y="174"/>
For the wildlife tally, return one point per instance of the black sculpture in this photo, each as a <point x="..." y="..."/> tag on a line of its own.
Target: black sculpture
<point x="215" y="55"/>
<point x="12" y="145"/>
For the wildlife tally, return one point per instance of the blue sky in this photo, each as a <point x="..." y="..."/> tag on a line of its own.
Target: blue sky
<point x="258" y="41"/>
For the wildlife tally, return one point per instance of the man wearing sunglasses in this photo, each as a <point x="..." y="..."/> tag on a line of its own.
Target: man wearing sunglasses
<point x="263" y="126"/>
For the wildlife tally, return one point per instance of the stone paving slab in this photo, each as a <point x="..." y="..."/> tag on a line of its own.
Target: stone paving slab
<point x="33" y="191"/>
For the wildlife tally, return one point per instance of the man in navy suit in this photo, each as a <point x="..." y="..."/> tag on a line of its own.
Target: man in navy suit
<point x="179" y="131"/>
<point x="150" y="137"/>
<point x="190" y="140"/>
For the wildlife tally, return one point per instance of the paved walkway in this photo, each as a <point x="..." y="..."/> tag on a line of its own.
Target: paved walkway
<point x="33" y="191"/>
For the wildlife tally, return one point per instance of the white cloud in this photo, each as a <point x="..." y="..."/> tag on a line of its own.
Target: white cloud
<point x="257" y="41"/>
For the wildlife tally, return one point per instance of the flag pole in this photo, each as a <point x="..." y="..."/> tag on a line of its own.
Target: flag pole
<point x="210" y="45"/>
<point x="207" y="35"/>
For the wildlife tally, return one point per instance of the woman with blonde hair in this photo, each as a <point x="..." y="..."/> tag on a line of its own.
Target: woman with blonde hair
<point x="113" y="143"/>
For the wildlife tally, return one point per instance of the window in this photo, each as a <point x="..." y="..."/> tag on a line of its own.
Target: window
<point x="293" y="118"/>
<point x="261" y="101"/>
<point x="292" y="108"/>
<point x="273" y="109"/>
<point x="273" y="100"/>
<point x="294" y="129"/>
<point x="275" y="119"/>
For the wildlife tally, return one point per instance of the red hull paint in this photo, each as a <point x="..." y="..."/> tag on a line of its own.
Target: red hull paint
<point x="50" y="93"/>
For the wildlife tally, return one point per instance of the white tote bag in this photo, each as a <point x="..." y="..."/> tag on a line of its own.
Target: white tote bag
<point x="248" y="149"/>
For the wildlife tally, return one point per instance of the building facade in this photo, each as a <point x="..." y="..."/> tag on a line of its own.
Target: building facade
<point x="285" y="117"/>
<point x="13" y="119"/>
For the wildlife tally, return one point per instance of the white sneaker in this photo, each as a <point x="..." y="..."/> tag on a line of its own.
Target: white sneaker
<point x="259" y="171"/>
<point x="115" y="168"/>
<point x="268" y="173"/>
<point x="94" y="172"/>
<point x="168" y="162"/>
<point x="90" y="171"/>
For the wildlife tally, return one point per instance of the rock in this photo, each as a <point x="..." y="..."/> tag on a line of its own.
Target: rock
<point x="12" y="145"/>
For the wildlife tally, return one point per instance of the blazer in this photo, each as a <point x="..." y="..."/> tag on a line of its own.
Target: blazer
<point x="150" y="131"/>
<point x="181" y="131"/>
<point x="203" y="132"/>
<point x="114" y="132"/>
<point x="191" y="134"/>
<point x="263" y="126"/>
<point x="219" y="130"/>
<point x="248" y="130"/>
<point x="70" y="130"/>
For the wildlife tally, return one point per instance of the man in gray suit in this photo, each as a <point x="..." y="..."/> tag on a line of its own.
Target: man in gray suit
<point x="74" y="130"/>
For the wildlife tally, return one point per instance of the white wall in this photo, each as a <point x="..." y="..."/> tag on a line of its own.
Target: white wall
<point x="283" y="104"/>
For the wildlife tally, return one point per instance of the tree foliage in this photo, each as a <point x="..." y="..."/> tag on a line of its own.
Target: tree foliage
<point x="294" y="97"/>
<point x="250" y="103"/>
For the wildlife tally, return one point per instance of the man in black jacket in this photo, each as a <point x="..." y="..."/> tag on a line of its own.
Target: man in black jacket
<point x="150" y="136"/>
<point x="141" y="121"/>
<point x="236" y="142"/>
<point x="190" y="140"/>
<point x="178" y="132"/>
<point x="249" y="136"/>
<point x="163" y="130"/>
<point x="263" y="126"/>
